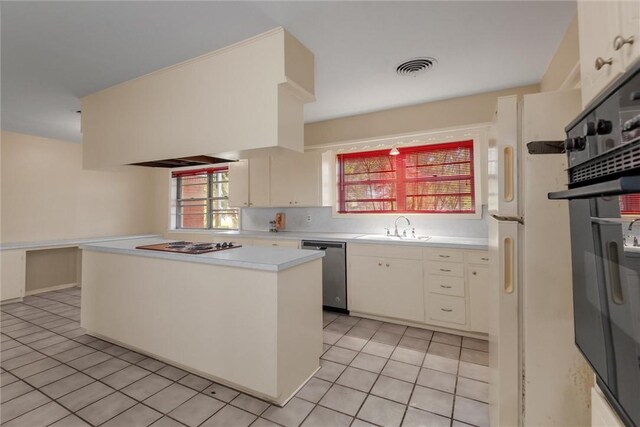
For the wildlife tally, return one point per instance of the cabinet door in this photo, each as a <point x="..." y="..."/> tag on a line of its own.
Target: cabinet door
<point x="307" y="182"/>
<point x="599" y="22"/>
<point x="364" y="285"/>
<point x="239" y="184"/>
<point x="283" y="181"/>
<point x="13" y="274"/>
<point x="259" y="188"/>
<point x="630" y="27"/>
<point x="403" y="290"/>
<point x="478" y="279"/>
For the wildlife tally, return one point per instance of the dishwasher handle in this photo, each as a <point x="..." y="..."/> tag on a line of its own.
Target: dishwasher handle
<point x="321" y="246"/>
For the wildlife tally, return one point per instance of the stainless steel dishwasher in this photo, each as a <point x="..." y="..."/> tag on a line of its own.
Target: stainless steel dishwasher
<point x="334" y="273"/>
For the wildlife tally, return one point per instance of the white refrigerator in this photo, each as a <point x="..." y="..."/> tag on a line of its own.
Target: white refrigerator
<point x="537" y="376"/>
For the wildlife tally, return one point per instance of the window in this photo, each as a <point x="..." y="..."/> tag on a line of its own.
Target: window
<point x="202" y="199"/>
<point x="629" y="204"/>
<point x="424" y="179"/>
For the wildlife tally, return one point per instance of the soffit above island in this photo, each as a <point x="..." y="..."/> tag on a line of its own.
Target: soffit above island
<point x="240" y="101"/>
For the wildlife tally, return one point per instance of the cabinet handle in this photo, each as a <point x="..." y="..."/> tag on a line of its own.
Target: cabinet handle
<point x="485" y="259"/>
<point x="379" y="264"/>
<point x="445" y="270"/>
<point x="474" y="273"/>
<point x="602" y="62"/>
<point x="444" y="256"/>
<point x="295" y="203"/>
<point x="445" y="286"/>
<point x="245" y="203"/>
<point x="446" y="310"/>
<point x="508" y="265"/>
<point x="290" y="203"/>
<point x="387" y="265"/>
<point x="274" y="244"/>
<point x="508" y="174"/>
<point x="620" y="41"/>
<point x="250" y="204"/>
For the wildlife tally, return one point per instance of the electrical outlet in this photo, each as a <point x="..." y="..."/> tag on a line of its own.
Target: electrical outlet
<point x="308" y="218"/>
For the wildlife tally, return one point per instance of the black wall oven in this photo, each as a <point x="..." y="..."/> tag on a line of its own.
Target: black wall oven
<point x="603" y="148"/>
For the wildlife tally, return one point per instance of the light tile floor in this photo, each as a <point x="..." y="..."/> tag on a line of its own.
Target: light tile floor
<point x="372" y="373"/>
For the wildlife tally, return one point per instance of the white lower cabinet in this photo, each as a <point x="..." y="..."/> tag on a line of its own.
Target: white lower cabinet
<point x="386" y="287"/>
<point x="429" y="286"/>
<point x="478" y="278"/>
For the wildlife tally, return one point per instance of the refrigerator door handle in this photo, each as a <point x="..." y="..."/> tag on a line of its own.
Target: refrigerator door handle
<point x="508" y="265"/>
<point x="507" y="164"/>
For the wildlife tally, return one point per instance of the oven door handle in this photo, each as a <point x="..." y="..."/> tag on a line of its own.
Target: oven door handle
<point x="617" y="187"/>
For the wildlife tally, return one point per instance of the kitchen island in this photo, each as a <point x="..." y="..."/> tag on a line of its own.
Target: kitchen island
<point x="248" y="317"/>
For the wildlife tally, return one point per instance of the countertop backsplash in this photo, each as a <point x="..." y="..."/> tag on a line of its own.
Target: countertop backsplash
<point x="322" y="220"/>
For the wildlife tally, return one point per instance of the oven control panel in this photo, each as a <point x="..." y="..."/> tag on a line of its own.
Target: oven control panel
<point x="614" y="122"/>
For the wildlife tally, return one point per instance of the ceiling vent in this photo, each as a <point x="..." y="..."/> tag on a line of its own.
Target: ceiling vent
<point x="416" y="66"/>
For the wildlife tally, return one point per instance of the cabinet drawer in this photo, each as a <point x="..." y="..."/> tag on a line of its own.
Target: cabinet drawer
<point x="446" y="285"/>
<point x="478" y="257"/>
<point x="447" y="309"/>
<point x="435" y="254"/>
<point x="446" y="268"/>
<point x="276" y="243"/>
<point x="384" y="251"/>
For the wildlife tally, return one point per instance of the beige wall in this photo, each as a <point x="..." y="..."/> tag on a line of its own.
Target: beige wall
<point x="434" y="115"/>
<point x="564" y="62"/>
<point x="47" y="196"/>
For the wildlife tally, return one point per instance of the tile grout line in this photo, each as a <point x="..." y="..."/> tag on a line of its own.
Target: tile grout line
<point x="258" y="416"/>
<point x="414" y="384"/>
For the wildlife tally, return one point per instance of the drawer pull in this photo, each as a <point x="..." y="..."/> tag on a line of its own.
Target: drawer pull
<point x="379" y="264"/>
<point x="474" y="273"/>
<point x="445" y="286"/>
<point x="445" y="270"/>
<point x="485" y="259"/>
<point x="447" y="310"/>
<point x="620" y="41"/>
<point x="444" y="256"/>
<point x="602" y="62"/>
<point x="387" y="264"/>
<point x="274" y="244"/>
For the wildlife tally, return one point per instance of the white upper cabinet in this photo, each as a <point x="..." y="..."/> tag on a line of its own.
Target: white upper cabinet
<point x="609" y="42"/>
<point x="296" y="180"/>
<point x="292" y="180"/>
<point x="249" y="183"/>
<point x="239" y="184"/>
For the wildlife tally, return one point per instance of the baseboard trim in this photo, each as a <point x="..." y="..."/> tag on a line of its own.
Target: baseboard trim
<point x="11" y="301"/>
<point x="430" y="326"/>
<point x="51" y="288"/>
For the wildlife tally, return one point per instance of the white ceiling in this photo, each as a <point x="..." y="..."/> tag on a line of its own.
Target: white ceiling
<point x="54" y="53"/>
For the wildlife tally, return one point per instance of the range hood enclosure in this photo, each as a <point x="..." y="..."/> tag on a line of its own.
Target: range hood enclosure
<point x="241" y="101"/>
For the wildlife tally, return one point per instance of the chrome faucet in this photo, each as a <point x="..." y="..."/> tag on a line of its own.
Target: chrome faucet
<point x="633" y="222"/>
<point x="396" y="226"/>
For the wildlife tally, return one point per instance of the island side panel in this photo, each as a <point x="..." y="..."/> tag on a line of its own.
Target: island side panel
<point x="218" y="321"/>
<point x="299" y="326"/>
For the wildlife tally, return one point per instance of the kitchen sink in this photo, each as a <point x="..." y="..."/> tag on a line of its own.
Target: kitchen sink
<point x="384" y="237"/>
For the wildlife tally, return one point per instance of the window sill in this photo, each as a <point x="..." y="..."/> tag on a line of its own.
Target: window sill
<point x="477" y="215"/>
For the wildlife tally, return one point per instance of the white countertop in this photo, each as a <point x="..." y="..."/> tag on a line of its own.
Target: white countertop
<point x="434" y="241"/>
<point x="250" y="257"/>
<point x="47" y="244"/>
